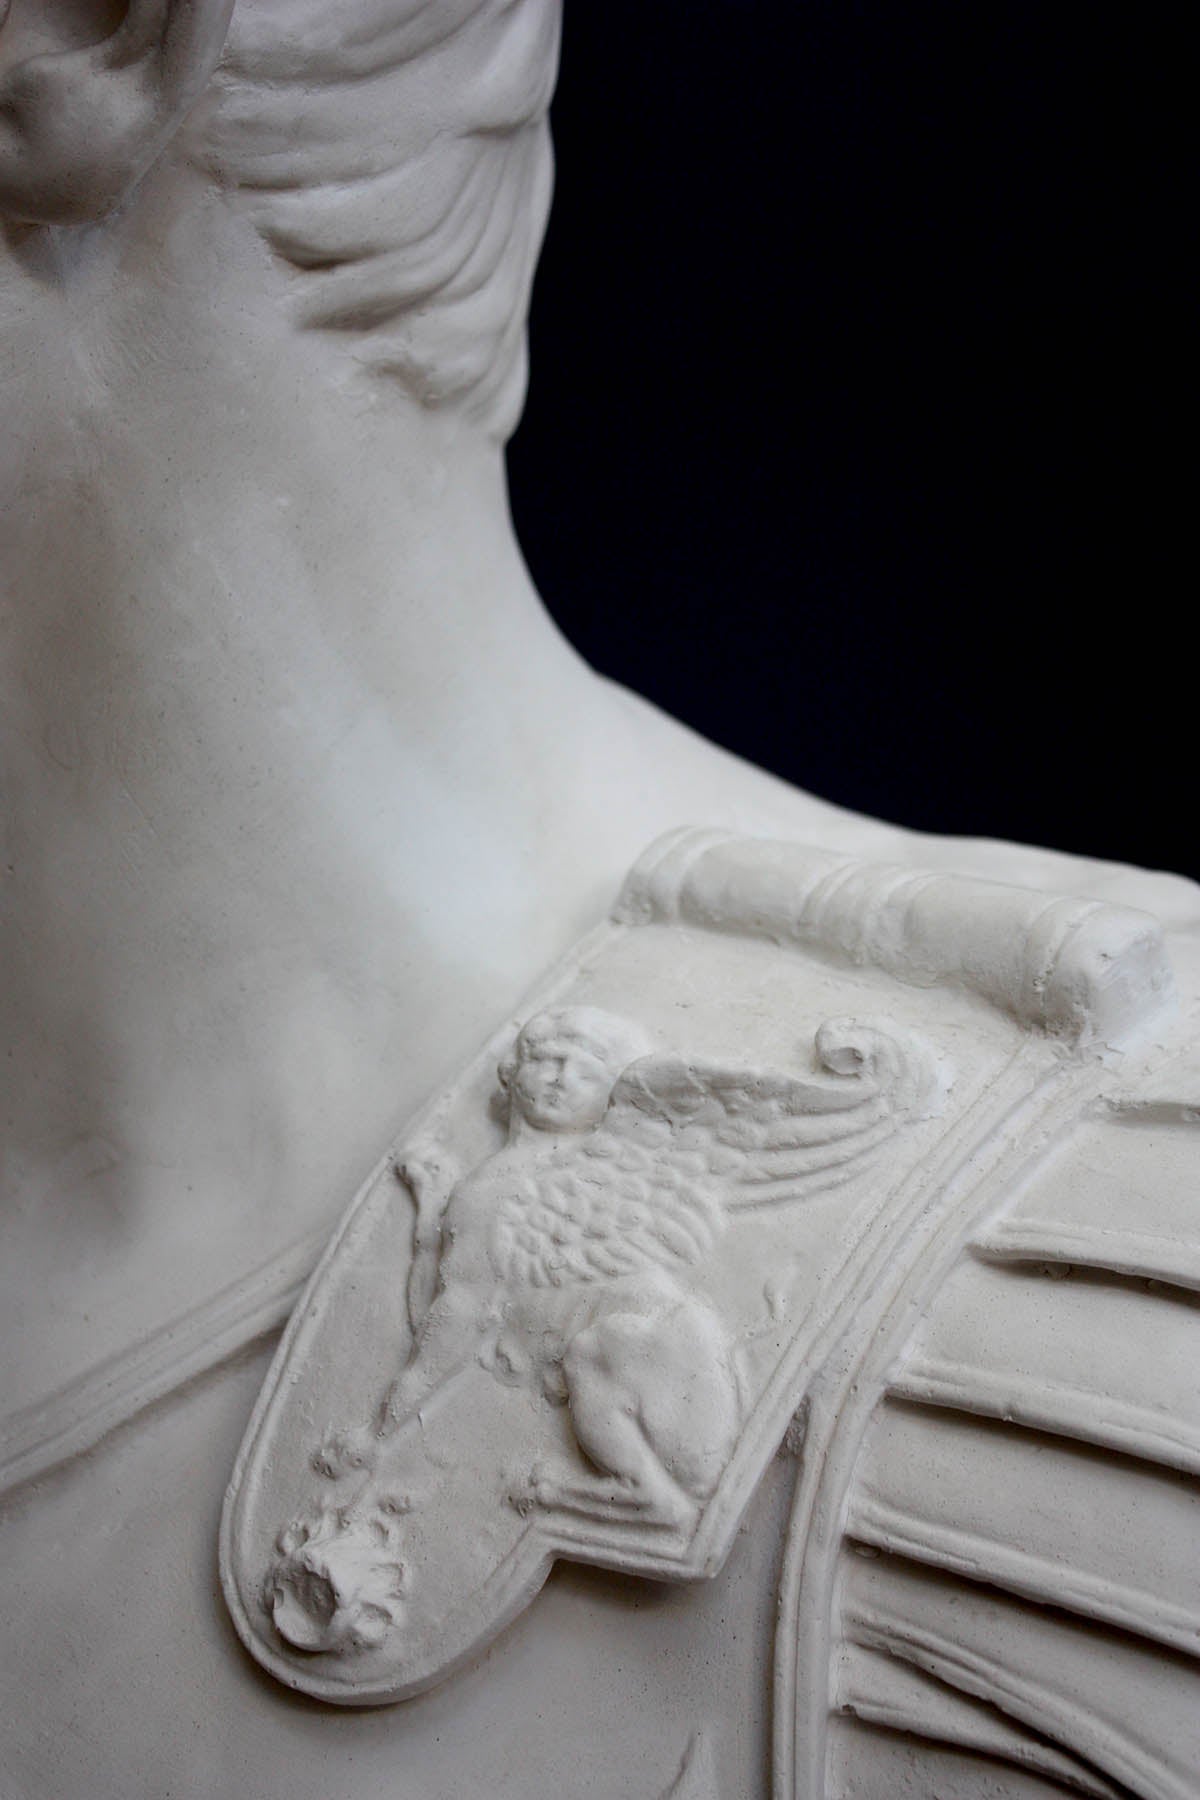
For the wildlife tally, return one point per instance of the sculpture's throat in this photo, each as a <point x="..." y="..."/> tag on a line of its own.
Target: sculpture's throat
<point x="302" y="786"/>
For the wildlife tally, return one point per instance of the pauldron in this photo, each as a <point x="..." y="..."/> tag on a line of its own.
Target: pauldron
<point x="886" y="1172"/>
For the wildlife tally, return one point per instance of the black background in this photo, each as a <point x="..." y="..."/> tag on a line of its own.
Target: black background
<point x="848" y="433"/>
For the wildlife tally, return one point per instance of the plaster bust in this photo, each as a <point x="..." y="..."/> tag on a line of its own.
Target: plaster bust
<point x="302" y="788"/>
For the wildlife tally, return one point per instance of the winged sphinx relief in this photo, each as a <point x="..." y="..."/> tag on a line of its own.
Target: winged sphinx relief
<point x="564" y="1265"/>
<point x="680" y="1217"/>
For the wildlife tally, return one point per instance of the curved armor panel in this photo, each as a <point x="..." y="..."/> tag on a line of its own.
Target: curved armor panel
<point x="884" y="1168"/>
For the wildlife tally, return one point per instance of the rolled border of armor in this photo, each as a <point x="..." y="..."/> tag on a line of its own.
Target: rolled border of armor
<point x="1074" y="968"/>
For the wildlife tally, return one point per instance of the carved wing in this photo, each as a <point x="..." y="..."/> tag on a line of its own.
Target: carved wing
<point x="768" y="1136"/>
<point x="683" y="1144"/>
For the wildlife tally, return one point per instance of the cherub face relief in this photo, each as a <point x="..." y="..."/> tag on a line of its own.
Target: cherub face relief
<point x="560" y="1084"/>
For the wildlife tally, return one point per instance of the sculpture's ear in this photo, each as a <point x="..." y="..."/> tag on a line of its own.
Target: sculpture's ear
<point x="79" y="127"/>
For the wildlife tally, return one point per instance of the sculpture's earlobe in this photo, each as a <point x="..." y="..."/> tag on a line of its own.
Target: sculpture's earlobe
<point x="80" y="127"/>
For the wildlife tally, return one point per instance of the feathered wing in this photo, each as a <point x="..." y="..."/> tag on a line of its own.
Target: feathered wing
<point x="605" y="1205"/>
<point x="769" y="1136"/>
<point x="684" y="1143"/>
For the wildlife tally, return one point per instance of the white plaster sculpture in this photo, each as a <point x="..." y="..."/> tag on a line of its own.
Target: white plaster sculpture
<point x="827" y="1242"/>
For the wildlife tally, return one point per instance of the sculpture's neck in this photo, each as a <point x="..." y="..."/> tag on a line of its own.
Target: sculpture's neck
<point x="289" y="742"/>
<point x="267" y="630"/>
<point x="229" y="525"/>
<point x="302" y="788"/>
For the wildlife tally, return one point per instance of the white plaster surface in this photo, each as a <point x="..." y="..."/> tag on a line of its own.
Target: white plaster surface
<point x="303" y="794"/>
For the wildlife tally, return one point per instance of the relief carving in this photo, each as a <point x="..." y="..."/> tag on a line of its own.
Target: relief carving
<point x="564" y="1265"/>
<point x="680" y="1224"/>
<point x="338" y="1584"/>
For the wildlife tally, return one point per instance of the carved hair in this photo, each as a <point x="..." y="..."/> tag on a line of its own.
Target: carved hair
<point x="394" y="155"/>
